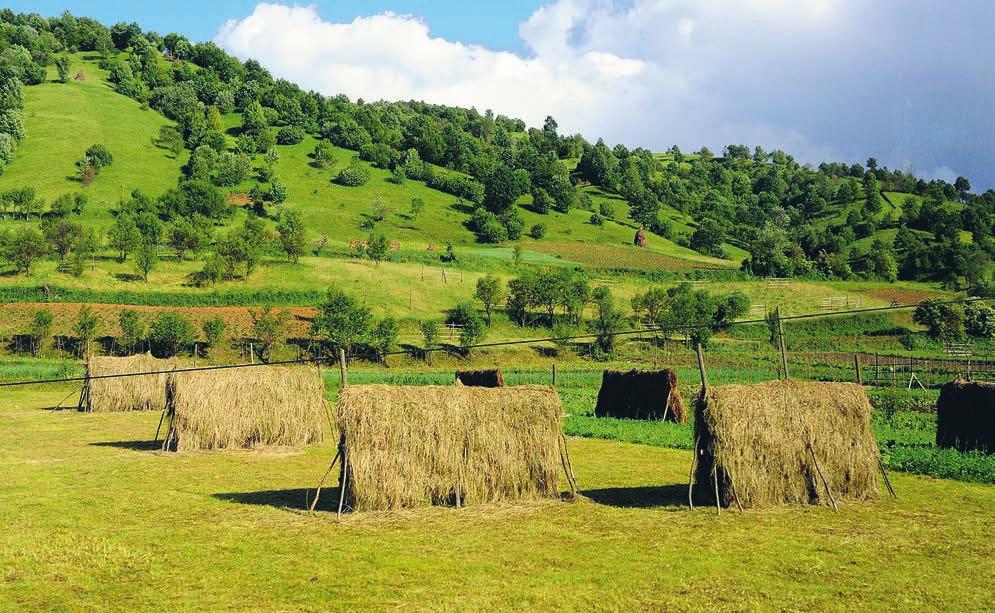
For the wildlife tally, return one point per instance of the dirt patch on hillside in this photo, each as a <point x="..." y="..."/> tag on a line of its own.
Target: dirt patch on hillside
<point x="14" y="318"/>
<point x="903" y="296"/>
<point x="238" y="199"/>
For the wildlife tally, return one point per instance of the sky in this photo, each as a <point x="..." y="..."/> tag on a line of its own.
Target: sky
<point x="910" y="83"/>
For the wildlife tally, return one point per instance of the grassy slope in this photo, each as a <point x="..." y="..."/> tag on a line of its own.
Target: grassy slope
<point x="62" y="120"/>
<point x="88" y="528"/>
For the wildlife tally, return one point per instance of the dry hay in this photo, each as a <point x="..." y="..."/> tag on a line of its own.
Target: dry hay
<point x="449" y="445"/>
<point x="965" y="416"/>
<point x="136" y="393"/>
<point x="80" y="76"/>
<point x="245" y="408"/>
<point x="640" y="240"/>
<point x="760" y="441"/>
<point x="640" y="394"/>
<point x="480" y="378"/>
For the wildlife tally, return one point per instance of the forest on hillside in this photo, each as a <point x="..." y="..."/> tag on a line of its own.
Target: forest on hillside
<point x="794" y="220"/>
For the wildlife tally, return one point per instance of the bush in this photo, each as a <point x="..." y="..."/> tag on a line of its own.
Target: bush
<point x="291" y="135"/>
<point x="457" y="185"/>
<point x="537" y="231"/>
<point x="894" y="400"/>
<point x="597" y="220"/>
<point x="171" y="332"/>
<point x="354" y="176"/>
<point x="488" y="227"/>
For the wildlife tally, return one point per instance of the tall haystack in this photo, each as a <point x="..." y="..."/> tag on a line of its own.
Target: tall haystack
<point x="774" y="443"/>
<point x="137" y="393"/>
<point x="480" y="378"/>
<point x="449" y="445"/>
<point x="640" y="240"/>
<point x="245" y="407"/>
<point x="640" y="394"/>
<point x="81" y="76"/>
<point x="965" y="416"/>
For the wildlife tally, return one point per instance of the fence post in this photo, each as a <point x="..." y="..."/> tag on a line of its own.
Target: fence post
<point x="856" y="367"/>
<point x="877" y="370"/>
<point x="554" y="375"/>
<point x="701" y="367"/>
<point x="343" y="374"/>
<point x="784" y="349"/>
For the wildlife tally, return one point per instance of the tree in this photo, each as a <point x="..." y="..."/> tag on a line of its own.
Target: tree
<point x="708" y="238"/>
<point x="417" y="206"/>
<point x="323" y="155"/>
<point x="516" y="255"/>
<point x="62" y="66"/>
<point x="189" y="235"/>
<point x="872" y="195"/>
<point x="472" y="327"/>
<point x="146" y="259"/>
<point x="979" y="320"/>
<point x="383" y="337"/>
<point x="40" y="329"/>
<point x="607" y="323"/>
<point x="132" y="329"/>
<point x="537" y="231"/>
<point x="62" y="235"/>
<point x="26" y="246"/>
<point x="342" y="320"/>
<point x="124" y="236"/>
<point x="430" y="337"/>
<point x="293" y="235"/>
<point x="85" y="329"/>
<point x="214" y="331"/>
<point x="942" y="321"/>
<point x="269" y="327"/>
<point x="171" y="139"/>
<point x="490" y="292"/>
<point x="963" y="187"/>
<point x="171" y="332"/>
<point x="377" y="248"/>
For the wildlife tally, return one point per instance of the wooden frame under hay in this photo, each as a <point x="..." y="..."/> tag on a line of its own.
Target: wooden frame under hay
<point x="965" y="416"/>
<point x="640" y="394"/>
<point x="785" y="442"/>
<point x="244" y="408"/>
<point x="480" y="378"/>
<point x="116" y="394"/>
<point x="403" y="447"/>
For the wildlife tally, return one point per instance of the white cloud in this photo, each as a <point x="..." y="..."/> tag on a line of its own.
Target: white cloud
<point x="822" y="79"/>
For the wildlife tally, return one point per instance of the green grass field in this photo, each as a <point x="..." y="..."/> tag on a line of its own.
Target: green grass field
<point x="95" y="519"/>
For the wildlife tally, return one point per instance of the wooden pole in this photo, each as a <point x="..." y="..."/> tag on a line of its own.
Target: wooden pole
<point x="715" y="480"/>
<point x="343" y="374"/>
<point x="343" y="476"/>
<point x="784" y="348"/>
<point x="856" y="368"/>
<point x="317" y="492"/>
<point x="161" y="417"/>
<point x="887" y="481"/>
<point x="701" y="368"/>
<point x="877" y="370"/>
<point x="823" y="477"/>
<point x="554" y="375"/>
<point x="694" y="461"/>
<point x="568" y="468"/>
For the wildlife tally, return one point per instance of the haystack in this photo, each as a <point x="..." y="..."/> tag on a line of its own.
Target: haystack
<point x="245" y="408"/>
<point x="480" y="378"/>
<point x="80" y="76"/>
<point x="640" y="394"/>
<point x="965" y="416"/>
<point x="136" y="393"/>
<point x="774" y="443"/>
<point x="449" y="445"/>
<point x="640" y="240"/>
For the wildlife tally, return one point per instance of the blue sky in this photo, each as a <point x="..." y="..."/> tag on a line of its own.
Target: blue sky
<point x="910" y="83"/>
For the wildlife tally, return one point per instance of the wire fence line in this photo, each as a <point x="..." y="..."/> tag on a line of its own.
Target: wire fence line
<point x="685" y="328"/>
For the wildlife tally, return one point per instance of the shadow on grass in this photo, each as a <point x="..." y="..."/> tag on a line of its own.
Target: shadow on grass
<point x="297" y="499"/>
<point x="132" y="445"/>
<point x="643" y="497"/>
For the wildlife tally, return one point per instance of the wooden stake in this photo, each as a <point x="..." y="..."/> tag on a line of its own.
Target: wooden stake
<point x="343" y="478"/>
<point x="735" y="494"/>
<point x="823" y="477"/>
<point x="784" y="348"/>
<point x="856" y="368"/>
<point x="877" y="370"/>
<point x="161" y="417"/>
<point x="701" y="368"/>
<point x="715" y="480"/>
<point x="694" y="462"/>
<point x="343" y="374"/>
<point x="568" y="467"/>
<point x="554" y="375"/>
<point x="887" y="481"/>
<point x="317" y="492"/>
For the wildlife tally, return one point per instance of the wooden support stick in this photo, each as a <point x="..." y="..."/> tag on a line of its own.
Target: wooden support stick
<point x="735" y="494"/>
<point x="856" y="368"/>
<point x="343" y="374"/>
<point x="343" y="480"/>
<point x="317" y="492"/>
<point x="784" y="348"/>
<point x="701" y="368"/>
<point x="161" y="417"/>
<point x="887" y="481"/>
<point x="554" y="375"/>
<point x="694" y="462"/>
<point x="715" y="480"/>
<point x="568" y="467"/>
<point x="823" y="477"/>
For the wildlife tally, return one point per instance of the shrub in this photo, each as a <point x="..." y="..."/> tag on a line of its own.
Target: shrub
<point x="488" y="227"/>
<point x="171" y="332"/>
<point x="291" y="135"/>
<point x="353" y="176"/>
<point x="537" y="231"/>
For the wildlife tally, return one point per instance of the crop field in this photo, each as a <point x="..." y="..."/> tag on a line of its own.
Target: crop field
<point x="233" y="526"/>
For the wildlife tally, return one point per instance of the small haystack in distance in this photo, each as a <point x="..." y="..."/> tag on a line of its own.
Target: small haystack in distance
<point x="138" y="393"/>
<point x="965" y="416"/>
<point x="640" y="394"/>
<point x="785" y="442"/>
<point x="80" y="76"/>
<point x="480" y="378"/>
<point x="245" y="407"/>
<point x="640" y="240"/>
<point x="449" y="445"/>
